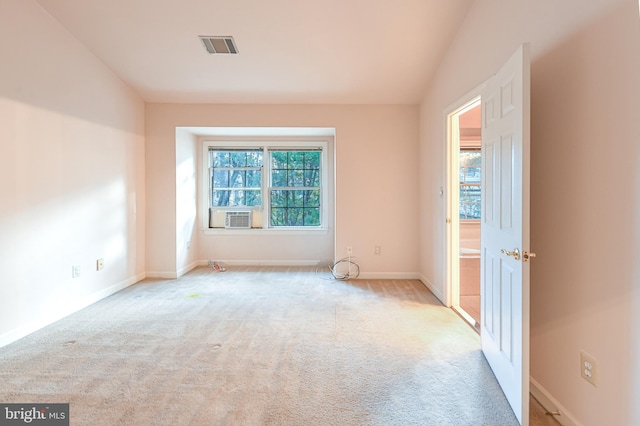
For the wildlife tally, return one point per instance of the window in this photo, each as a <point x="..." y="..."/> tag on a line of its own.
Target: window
<point x="295" y="188"/>
<point x="470" y="183"/>
<point x="236" y="177"/>
<point x="279" y="184"/>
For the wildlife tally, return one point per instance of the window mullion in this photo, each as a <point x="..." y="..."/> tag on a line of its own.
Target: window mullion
<point x="266" y="187"/>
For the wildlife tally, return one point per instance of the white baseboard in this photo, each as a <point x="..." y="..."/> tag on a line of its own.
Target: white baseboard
<point x="436" y="292"/>
<point x="320" y="263"/>
<point x="266" y="262"/>
<point x="30" y="327"/>
<point x="187" y="268"/>
<point x="389" y="276"/>
<point x="168" y="275"/>
<point x="551" y="404"/>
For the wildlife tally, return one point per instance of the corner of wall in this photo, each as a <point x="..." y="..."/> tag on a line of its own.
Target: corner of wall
<point x="549" y="403"/>
<point x="432" y="288"/>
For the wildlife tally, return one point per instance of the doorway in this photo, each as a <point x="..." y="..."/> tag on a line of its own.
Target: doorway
<point x="505" y="234"/>
<point x="464" y="178"/>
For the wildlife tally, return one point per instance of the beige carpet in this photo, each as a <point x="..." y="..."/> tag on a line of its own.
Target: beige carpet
<point x="260" y="346"/>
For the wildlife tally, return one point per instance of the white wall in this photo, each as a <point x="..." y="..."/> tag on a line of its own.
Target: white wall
<point x="186" y="201"/>
<point x="376" y="181"/>
<point x="71" y="173"/>
<point x="585" y="186"/>
<point x="470" y="234"/>
<point x="273" y="246"/>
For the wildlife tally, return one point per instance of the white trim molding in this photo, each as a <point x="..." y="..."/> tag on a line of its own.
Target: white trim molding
<point x="33" y="326"/>
<point x="187" y="268"/>
<point x="267" y="262"/>
<point x="167" y="275"/>
<point x="551" y="404"/>
<point x="429" y="285"/>
<point x="389" y="276"/>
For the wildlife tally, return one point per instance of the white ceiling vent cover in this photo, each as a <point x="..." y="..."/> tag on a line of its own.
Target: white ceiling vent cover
<point x="219" y="45"/>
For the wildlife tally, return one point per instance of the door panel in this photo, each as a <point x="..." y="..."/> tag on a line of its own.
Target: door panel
<point x="506" y="183"/>
<point x="505" y="228"/>
<point x="506" y="311"/>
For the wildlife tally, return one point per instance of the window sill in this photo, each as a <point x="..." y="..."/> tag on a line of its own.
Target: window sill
<point x="265" y="231"/>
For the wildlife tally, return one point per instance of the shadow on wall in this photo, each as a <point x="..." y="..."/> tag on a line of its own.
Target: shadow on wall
<point x="584" y="226"/>
<point x="67" y="85"/>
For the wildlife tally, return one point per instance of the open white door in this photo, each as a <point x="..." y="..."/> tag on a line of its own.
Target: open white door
<point x="504" y="284"/>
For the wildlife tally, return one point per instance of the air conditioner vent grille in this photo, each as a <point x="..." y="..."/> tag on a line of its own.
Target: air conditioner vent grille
<point x="238" y="220"/>
<point x="219" y="45"/>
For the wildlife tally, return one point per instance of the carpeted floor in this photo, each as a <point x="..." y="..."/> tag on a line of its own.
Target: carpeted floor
<point x="260" y="346"/>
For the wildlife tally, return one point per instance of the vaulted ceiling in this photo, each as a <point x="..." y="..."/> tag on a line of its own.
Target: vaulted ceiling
<point x="290" y="51"/>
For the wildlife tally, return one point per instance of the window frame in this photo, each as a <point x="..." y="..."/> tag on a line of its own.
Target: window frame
<point x="462" y="185"/>
<point x="272" y="187"/>
<point x="266" y="145"/>
<point x="230" y="168"/>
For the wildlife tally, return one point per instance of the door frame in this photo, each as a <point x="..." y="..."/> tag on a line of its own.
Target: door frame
<point x="451" y="193"/>
<point x="451" y="222"/>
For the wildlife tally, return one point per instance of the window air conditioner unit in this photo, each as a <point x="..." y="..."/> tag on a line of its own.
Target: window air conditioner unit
<point x="238" y="220"/>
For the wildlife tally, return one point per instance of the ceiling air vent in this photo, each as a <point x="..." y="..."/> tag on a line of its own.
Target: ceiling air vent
<point x="219" y="45"/>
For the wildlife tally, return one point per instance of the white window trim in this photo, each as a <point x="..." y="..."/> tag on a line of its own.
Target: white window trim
<point x="266" y="144"/>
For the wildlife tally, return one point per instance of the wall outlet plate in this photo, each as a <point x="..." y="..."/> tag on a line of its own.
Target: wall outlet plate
<point x="100" y="264"/>
<point x="75" y="271"/>
<point x="589" y="368"/>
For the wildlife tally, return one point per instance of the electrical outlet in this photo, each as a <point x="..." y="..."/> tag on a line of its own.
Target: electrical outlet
<point x="75" y="271"/>
<point x="100" y="264"/>
<point x="349" y="250"/>
<point x="376" y="250"/>
<point x="589" y="368"/>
